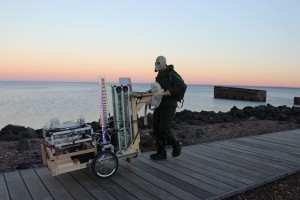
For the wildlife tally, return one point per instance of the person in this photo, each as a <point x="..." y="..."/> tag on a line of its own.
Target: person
<point x="164" y="114"/>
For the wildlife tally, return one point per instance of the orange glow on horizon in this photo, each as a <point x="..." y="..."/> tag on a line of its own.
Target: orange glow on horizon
<point x="87" y="69"/>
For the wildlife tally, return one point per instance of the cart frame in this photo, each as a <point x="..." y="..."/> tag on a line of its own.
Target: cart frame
<point x="63" y="163"/>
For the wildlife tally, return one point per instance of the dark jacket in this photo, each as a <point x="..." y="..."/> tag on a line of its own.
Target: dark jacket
<point x="169" y="80"/>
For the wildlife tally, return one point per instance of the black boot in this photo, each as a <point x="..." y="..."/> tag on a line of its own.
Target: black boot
<point x="176" y="149"/>
<point x="161" y="153"/>
<point x="175" y="145"/>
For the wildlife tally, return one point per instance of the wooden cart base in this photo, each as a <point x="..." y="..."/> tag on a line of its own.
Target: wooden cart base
<point x="67" y="162"/>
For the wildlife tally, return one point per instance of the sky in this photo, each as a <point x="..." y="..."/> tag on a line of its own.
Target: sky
<point x="214" y="42"/>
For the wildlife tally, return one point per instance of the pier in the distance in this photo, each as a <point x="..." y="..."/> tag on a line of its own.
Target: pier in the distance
<point x="235" y="93"/>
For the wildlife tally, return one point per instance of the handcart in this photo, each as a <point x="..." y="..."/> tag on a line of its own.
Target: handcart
<point x="74" y="146"/>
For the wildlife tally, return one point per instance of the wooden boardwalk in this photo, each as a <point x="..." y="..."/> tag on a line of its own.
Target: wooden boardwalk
<point x="207" y="171"/>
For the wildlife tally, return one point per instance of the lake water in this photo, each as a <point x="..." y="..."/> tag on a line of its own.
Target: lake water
<point x="32" y="104"/>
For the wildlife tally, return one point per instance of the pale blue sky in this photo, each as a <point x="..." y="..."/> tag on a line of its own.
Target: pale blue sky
<point x="210" y="42"/>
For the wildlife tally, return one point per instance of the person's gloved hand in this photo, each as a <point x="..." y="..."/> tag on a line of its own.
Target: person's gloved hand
<point x="167" y="93"/>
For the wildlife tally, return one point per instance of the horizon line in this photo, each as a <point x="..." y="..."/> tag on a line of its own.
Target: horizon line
<point x="191" y="84"/>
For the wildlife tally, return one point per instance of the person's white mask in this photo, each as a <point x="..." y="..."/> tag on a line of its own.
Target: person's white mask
<point x="160" y="63"/>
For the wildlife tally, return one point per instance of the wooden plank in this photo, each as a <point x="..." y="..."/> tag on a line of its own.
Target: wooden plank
<point x="267" y="179"/>
<point x="256" y="158"/>
<point x="68" y="155"/>
<point x="93" y="188"/>
<point x="240" y="181"/>
<point x="229" y="163"/>
<point x="16" y="186"/>
<point x="186" y="178"/>
<point x="257" y="184"/>
<point x="270" y="147"/>
<point x="275" y="141"/>
<point x="285" y="146"/>
<point x="292" y="136"/>
<point x="56" y="189"/>
<point x="35" y="185"/>
<point x="186" y="169"/>
<point x="218" y="165"/>
<point x="131" y="187"/>
<point x="241" y="157"/>
<point x="208" y="173"/>
<point x="61" y="170"/>
<point x="295" y="133"/>
<point x="44" y="154"/>
<point x="276" y="147"/>
<point x="144" y="183"/>
<point x="74" y="187"/>
<point x="4" y="195"/>
<point x="257" y="153"/>
<point x="253" y="168"/>
<point x="264" y="151"/>
<point x="283" y="139"/>
<point x="289" y="132"/>
<point x="169" y="183"/>
<point x="109" y="186"/>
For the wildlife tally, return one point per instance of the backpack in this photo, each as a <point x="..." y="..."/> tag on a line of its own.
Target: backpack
<point x="180" y="95"/>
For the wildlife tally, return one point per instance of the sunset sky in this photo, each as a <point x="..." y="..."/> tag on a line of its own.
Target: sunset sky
<point x="223" y="42"/>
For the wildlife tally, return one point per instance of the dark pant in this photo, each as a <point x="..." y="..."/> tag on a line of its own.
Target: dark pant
<point x="162" y="119"/>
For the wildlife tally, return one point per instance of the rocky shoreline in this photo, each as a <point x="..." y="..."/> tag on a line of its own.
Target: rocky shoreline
<point x="20" y="146"/>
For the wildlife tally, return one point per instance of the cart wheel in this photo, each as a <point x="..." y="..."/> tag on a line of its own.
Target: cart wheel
<point x="105" y="164"/>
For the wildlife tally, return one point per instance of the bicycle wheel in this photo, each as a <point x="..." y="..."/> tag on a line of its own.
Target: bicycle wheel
<point x="105" y="164"/>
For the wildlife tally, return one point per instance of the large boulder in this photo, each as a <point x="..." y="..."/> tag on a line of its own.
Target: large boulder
<point x="237" y="113"/>
<point x="28" y="133"/>
<point x="16" y="132"/>
<point x="8" y="136"/>
<point x="10" y="132"/>
<point x="15" y="129"/>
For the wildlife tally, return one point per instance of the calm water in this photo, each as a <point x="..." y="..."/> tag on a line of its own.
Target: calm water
<point x="32" y="104"/>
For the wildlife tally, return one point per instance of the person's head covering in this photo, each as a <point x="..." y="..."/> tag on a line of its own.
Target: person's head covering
<point x="160" y="63"/>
